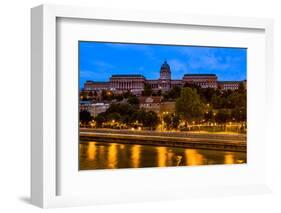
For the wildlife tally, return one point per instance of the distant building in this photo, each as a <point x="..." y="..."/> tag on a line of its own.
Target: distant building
<point x="230" y="85"/>
<point x="135" y="83"/>
<point x="151" y="103"/>
<point x="167" y="107"/>
<point x="93" y="108"/>
<point x="97" y="85"/>
<point x="202" y="80"/>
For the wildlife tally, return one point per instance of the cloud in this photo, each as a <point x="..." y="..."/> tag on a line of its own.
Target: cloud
<point x="177" y="65"/>
<point x="209" y="59"/>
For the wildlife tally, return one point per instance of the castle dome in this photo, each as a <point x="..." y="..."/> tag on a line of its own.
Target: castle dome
<point x="165" y="65"/>
<point x="165" y="71"/>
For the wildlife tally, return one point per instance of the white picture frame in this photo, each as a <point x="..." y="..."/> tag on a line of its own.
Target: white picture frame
<point x="44" y="150"/>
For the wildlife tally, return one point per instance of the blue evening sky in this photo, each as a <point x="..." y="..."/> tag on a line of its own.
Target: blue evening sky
<point x="99" y="60"/>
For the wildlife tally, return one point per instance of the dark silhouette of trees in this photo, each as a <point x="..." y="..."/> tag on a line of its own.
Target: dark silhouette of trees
<point x="189" y="106"/>
<point x="171" y="121"/>
<point x="147" y="91"/>
<point x="223" y="116"/>
<point x="133" y="100"/>
<point x="85" y="117"/>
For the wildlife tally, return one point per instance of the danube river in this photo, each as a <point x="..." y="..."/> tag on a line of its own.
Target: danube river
<point x="101" y="155"/>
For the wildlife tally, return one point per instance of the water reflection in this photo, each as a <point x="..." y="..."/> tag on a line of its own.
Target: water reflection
<point x="112" y="156"/>
<point x="229" y="158"/>
<point x="135" y="156"/>
<point x="162" y="156"/>
<point x="101" y="155"/>
<point x="91" y="151"/>
<point x="193" y="158"/>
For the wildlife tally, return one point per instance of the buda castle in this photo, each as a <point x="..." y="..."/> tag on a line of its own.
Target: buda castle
<point x="136" y="83"/>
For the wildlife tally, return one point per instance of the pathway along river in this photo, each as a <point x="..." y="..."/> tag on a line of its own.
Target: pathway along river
<point x="101" y="155"/>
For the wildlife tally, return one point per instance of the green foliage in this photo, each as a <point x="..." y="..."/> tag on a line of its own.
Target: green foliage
<point x="118" y="98"/>
<point x="107" y="95"/>
<point x="127" y="94"/>
<point x="189" y="106"/>
<point x="171" y="121"/>
<point x="206" y="94"/>
<point x="239" y="114"/>
<point x="216" y="101"/>
<point x="192" y="86"/>
<point x="241" y="88"/>
<point x="147" y="91"/>
<point x="128" y="114"/>
<point x="172" y="94"/>
<point x="159" y="92"/>
<point x="151" y="120"/>
<point x="209" y="116"/>
<point x="100" y="119"/>
<point x="223" y="116"/>
<point x="85" y="117"/>
<point x="147" y="119"/>
<point x="133" y="100"/>
<point x="228" y="99"/>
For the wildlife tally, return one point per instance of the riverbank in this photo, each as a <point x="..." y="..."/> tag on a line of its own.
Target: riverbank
<point x="198" y="140"/>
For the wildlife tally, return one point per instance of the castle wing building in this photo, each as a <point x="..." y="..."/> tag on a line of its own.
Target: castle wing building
<point x="136" y="83"/>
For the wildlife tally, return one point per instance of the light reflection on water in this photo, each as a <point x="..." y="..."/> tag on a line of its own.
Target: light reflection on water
<point x="101" y="155"/>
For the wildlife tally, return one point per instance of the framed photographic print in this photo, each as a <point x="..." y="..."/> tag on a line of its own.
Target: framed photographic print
<point x="149" y="106"/>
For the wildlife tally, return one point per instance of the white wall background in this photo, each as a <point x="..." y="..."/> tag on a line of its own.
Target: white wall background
<point x="15" y="106"/>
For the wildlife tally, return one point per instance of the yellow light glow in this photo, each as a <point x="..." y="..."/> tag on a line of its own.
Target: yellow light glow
<point x="112" y="156"/>
<point x="136" y="154"/>
<point x="229" y="159"/>
<point x="193" y="158"/>
<point x="91" y="152"/>
<point x="161" y="156"/>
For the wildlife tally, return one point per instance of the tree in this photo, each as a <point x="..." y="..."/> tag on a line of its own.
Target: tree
<point x="85" y="117"/>
<point x="171" y="121"/>
<point x="217" y="101"/>
<point x="100" y="119"/>
<point x="106" y="95"/>
<point x="167" y="118"/>
<point x="239" y="114"/>
<point x="209" y="116"/>
<point x="175" y="92"/>
<point x="90" y="95"/>
<point x="159" y="92"/>
<point x="148" y="119"/>
<point x="207" y="94"/>
<point x="175" y="121"/>
<point x="241" y="87"/>
<point x="127" y="94"/>
<point x="118" y="97"/>
<point x="151" y="120"/>
<point x="223" y="116"/>
<point x="133" y="100"/>
<point x="95" y="94"/>
<point x="147" y="91"/>
<point x="172" y="94"/>
<point x="113" y="116"/>
<point x="235" y="99"/>
<point x="189" y="106"/>
<point x="193" y="86"/>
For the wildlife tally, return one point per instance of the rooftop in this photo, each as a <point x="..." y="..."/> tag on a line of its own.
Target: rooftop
<point x="229" y="82"/>
<point x="150" y="99"/>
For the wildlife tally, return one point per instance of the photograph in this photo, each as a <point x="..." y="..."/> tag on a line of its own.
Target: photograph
<point x="161" y="105"/>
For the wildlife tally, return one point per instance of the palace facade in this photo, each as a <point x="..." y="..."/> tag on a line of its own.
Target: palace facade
<point x="136" y="83"/>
